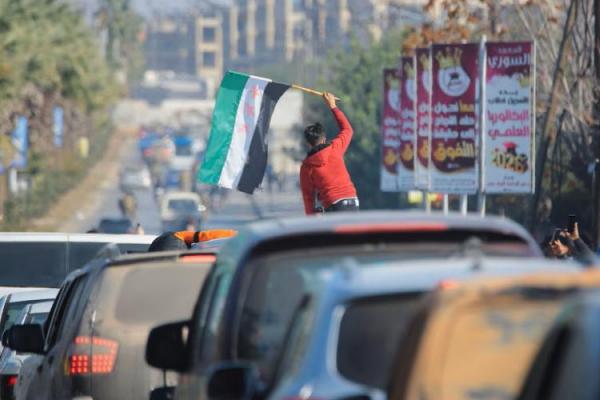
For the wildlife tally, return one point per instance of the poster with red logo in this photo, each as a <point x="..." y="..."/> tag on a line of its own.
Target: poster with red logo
<point x="453" y="142"/>
<point x="408" y="124"/>
<point x="507" y="145"/>
<point x="423" y="76"/>
<point x="390" y="130"/>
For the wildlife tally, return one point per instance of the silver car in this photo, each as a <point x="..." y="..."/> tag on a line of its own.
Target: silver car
<point x="12" y="361"/>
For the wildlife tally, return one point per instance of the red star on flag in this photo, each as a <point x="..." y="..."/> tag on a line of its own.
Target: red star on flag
<point x="255" y="91"/>
<point x="250" y="109"/>
<point x="243" y="128"/>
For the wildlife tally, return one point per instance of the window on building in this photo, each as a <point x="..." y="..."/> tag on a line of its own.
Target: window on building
<point x="209" y="34"/>
<point x="209" y="59"/>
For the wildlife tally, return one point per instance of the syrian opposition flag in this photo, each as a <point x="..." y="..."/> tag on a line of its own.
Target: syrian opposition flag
<point x="236" y="153"/>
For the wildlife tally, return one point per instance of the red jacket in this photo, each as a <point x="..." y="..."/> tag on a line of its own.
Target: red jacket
<point x="324" y="174"/>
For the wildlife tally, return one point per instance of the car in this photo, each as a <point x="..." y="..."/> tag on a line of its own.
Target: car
<point x="265" y="251"/>
<point x="360" y="308"/>
<point x="567" y="363"/>
<point x="31" y="259"/>
<point x="92" y="343"/>
<point x="115" y="225"/>
<point x="478" y="339"/>
<point x="12" y="304"/>
<point x="178" y="209"/>
<point x="10" y="360"/>
<point x="135" y="178"/>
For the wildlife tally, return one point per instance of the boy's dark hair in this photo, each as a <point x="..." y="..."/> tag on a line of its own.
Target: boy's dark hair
<point x="314" y="134"/>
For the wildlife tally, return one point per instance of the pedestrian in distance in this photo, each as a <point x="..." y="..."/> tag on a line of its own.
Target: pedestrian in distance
<point x="323" y="174"/>
<point x="568" y="245"/>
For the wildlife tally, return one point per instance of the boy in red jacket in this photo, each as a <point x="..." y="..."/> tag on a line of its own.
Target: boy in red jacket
<point x="323" y="174"/>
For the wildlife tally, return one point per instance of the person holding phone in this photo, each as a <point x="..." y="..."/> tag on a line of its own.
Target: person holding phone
<point x="566" y="244"/>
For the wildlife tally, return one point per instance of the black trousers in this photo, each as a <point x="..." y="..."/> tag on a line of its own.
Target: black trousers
<point x="344" y="205"/>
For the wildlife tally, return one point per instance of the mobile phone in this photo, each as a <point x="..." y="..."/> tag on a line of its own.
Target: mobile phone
<point x="571" y="223"/>
<point x="555" y="235"/>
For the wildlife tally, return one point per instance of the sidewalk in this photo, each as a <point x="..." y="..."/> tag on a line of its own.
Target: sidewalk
<point x="84" y="199"/>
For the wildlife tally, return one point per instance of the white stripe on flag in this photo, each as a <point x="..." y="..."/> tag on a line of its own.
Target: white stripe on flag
<point x="245" y="124"/>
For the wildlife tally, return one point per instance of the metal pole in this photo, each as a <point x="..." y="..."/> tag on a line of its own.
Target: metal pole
<point x="596" y="113"/>
<point x="464" y="204"/>
<point x="482" y="125"/>
<point x="427" y="202"/>
<point x="446" y="204"/>
<point x="482" y="205"/>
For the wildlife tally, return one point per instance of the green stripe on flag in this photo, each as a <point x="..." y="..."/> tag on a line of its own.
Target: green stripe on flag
<point x="223" y="122"/>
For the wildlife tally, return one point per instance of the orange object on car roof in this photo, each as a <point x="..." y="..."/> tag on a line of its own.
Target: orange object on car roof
<point x="190" y="237"/>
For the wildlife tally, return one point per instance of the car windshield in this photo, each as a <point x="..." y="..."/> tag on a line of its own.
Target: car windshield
<point x="373" y="326"/>
<point x="183" y="205"/>
<point x="41" y="264"/>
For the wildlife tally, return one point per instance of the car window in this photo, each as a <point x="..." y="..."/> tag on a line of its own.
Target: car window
<point x="277" y="287"/>
<point x="42" y="264"/>
<point x="80" y="253"/>
<point x="145" y="294"/>
<point x="211" y="316"/>
<point x="64" y="312"/>
<point x="368" y="337"/>
<point x="482" y="341"/>
<point x="114" y="226"/>
<point x="183" y="205"/>
<point x="12" y="312"/>
<point x="37" y="318"/>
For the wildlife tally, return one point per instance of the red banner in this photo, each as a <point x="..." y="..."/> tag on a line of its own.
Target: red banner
<point x="390" y="130"/>
<point x="423" y="60"/>
<point x="453" y="152"/>
<point x="408" y="128"/>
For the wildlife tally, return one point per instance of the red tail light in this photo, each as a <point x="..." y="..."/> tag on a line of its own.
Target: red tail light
<point x="92" y="355"/>
<point x="11" y="380"/>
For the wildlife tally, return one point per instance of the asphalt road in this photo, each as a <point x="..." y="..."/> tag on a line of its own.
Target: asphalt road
<point x="233" y="211"/>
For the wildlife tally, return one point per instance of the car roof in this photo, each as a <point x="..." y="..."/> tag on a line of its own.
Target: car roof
<point x="370" y="222"/>
<point x="391" y="221"/>
<point x="32" y="295"/>
<point x="351" y="281"/>
<point x="75" y="237"/>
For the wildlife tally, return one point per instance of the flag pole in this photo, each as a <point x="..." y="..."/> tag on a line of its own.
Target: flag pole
<point x="310" y="91"/>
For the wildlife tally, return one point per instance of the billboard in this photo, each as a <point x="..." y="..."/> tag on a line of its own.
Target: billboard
<point x="423" y="76"/>
<point x="57" y="127"/>
<point x="408" y="124"/>
<point x="20" y="141"/>
<point x="507" y="142"/>
<point x="390" y="130"/>
<point x="454" y="141"/>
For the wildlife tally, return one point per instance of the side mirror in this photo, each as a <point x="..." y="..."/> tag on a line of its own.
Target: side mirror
<point x="233" y="381"/>
<point x="163" y="393"/>
<point x="166" y="347"/>
<point x="27" y="338"/>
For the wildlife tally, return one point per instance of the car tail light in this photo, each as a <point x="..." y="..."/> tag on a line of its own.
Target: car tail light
<point x="198" y="258"/>
<point x="92" y="355"/>
<point x="447" y="284"/>
<point x="11" y="380"/>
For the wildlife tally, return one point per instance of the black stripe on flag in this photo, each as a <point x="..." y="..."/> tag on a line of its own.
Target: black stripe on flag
<point x="256" y="164"/>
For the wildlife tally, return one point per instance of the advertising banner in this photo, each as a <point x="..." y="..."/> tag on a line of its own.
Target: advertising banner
<point x="390" y="130"/>
<point x="20" y="141"/>
<point x="507" y="143"/>
<point x="408" y="127"/>
<point x="454" y="141"/>
<point x="423" y="61"/>
<point x="58" y="114"/>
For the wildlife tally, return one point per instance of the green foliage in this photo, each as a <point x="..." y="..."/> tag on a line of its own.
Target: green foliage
<point x="355" y="76"/>
<point x="45" y="43"/>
